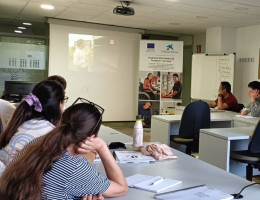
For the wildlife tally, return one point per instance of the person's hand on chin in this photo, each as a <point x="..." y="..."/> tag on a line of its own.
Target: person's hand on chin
<point x="90" y="144"/>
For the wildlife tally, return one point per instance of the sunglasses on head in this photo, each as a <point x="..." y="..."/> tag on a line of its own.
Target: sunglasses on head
<point x="100" y="109"/>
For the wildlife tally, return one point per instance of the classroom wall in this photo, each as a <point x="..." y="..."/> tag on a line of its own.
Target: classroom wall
<point x="248" y="45"/>
<point x="213" y="40"/>
<point x="199" y="39"/>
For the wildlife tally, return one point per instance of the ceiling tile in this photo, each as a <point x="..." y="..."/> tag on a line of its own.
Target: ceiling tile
<point x="34" y="9"/>
<point x="12" y="7"/>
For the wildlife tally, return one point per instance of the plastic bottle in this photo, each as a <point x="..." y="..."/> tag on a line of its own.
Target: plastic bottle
<point x="138" y="133"/>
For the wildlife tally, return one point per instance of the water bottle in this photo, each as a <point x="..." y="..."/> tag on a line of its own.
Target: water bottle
<point x="138" y="133"/>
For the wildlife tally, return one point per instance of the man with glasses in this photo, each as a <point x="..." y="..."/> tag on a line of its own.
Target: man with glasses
<point x="145" y="112"/>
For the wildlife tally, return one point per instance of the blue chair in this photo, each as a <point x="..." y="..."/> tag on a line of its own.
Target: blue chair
<point x="196" y="116"/>
<point x="251" y="156"/>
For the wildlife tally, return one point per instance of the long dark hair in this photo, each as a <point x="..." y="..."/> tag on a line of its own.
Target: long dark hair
<point x="50" y="94"/>
<point x="147" y="78"/>
<point x="23" y="179"/>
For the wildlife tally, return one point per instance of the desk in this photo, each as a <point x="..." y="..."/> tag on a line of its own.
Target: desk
<point x="216" y="144"/>
<point x="163" y="126"/>
<point x="190" y="171"/>
<point x="111" y="135"/>
<point x="245" y="122"/>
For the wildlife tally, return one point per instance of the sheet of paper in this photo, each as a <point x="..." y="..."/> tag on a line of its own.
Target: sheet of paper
<point x="216" y="110"/>
<point x="164" y="185"/>
<point x="198" y="193"/>
<point x="138" y="178"/>
<point x="245" y="116"/>
<point x="132" y="157"/>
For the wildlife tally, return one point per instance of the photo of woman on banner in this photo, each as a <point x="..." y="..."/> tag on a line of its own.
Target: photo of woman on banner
<point x="149" y="86"/>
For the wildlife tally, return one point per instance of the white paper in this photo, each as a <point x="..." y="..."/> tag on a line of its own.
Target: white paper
<point x="132" y="157"/>
<point x="216" y="110"/>
<point x="198" y="193"/>
<point x="245" y="116"/>
<point x="138" y="178"/>
<point x="165" y="184"/>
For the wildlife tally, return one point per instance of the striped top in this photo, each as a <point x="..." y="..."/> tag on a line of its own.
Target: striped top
<point x="27" y="132"/>
<point x="72" y="177"/>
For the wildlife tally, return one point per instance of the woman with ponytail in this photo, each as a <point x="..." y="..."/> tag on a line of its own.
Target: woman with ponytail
<point x="37" y="115"/>
<point x="52" y="169"/>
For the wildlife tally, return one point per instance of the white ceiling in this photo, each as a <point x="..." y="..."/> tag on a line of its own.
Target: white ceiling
<point x="155" y="15"/>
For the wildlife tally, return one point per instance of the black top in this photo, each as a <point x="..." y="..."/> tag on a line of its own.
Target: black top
<point x="177" y="87"/>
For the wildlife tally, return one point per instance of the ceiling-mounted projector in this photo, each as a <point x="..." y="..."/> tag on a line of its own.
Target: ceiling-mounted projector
<point x="124" y="10"/>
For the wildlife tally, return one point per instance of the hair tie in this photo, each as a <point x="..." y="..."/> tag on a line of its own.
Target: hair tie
<point x="32" y="100"/>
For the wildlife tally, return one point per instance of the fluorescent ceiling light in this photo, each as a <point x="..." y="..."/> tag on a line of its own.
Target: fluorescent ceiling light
<point x="21" y="27"/>
<point x="18" y="31"/>
<point x="27" y="24"/>
<point x="47" y="6"/>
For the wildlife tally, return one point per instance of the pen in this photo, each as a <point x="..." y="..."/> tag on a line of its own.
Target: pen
<point x="158" y="181"/>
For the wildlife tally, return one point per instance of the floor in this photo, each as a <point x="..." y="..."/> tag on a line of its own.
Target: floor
<point x="127" y="128"/>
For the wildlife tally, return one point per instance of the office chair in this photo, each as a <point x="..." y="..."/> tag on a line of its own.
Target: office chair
<point x="240" y="107"/>
<point x="251" y="156"/>
<point x="196" y="116"/>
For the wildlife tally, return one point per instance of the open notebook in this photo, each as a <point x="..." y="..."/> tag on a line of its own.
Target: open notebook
<point x="195" y="193"/>
<point x="145" y="182"/>
<point x="132" y="157"/>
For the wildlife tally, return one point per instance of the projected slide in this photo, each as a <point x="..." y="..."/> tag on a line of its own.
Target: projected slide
<point x="81" y="52"/>
<point x="91" y="53"/>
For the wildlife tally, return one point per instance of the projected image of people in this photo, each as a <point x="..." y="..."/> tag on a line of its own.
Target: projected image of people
<point x="81" y="52"/>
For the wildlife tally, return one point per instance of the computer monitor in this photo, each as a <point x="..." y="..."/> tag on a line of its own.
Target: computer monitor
<point x="15" y="90"/>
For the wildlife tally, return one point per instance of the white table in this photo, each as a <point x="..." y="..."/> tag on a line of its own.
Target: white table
<point x="245" y="122"/>
<point x="216" y="145"/>
<point x="163" y="126"/>
<point x="190" y="171"/>
<point x="111" y="135"/>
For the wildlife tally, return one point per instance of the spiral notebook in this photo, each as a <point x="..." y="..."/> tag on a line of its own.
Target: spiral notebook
<point x="145" y="182"/>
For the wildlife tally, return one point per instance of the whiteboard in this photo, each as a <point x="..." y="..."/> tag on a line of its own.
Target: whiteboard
<point x="207" y="73"/>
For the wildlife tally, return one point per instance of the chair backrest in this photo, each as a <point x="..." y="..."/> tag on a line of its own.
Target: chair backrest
<point x="196" y="116"/>
<point x="254" y="144"/>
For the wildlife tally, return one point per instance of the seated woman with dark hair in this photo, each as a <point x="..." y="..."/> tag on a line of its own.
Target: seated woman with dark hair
<point x="36" y="116"/>
<point x="52" y="169"/>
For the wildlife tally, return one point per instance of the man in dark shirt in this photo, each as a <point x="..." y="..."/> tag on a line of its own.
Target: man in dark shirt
<point x="226" y="100"/>
<point x="144" y="110"/>
<point x="176" y="90"/>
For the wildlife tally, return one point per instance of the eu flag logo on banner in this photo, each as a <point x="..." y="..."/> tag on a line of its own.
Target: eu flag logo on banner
<point x="150" y="45"/>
